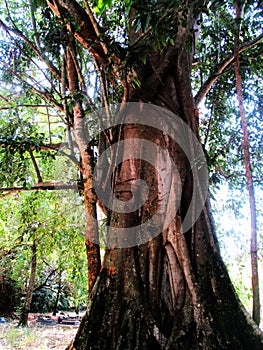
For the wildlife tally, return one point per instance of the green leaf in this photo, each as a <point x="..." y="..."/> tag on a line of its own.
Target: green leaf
<point x="102" y="6"/>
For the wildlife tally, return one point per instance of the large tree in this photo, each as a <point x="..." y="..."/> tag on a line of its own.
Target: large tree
<point x="172" y="291"/>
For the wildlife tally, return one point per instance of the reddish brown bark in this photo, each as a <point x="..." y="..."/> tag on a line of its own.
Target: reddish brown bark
<point x="172" y="292"/>
<point x="86" y="33"/>
<point x="81" y="139"/>
<point x="249" y="176"/>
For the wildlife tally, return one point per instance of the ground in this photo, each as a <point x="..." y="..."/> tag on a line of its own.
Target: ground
<point x="35" y="337"/>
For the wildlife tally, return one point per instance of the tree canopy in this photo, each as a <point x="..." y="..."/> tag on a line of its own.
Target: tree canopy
<point x="36" y="107"/>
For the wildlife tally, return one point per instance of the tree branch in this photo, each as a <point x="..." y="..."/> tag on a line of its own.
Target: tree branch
<point x="87" y="32"/>
<point x="18" y="33"/>
<point x="83" y="29"/>
<point x="34" y="25"/>
<point x="44" y="284"/>
<point x="45" y="95"/>
<point x="47" y="146"/>
<point x="95" y="26"/>
<point x="249" y="177"/>
<point x="42" y="186"/>
<point x="39" y="177"/>
<point x="52" y="147"/>
<point x="220" y="69"/>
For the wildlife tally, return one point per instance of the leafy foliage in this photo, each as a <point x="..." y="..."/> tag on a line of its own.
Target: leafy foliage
<point x="61" y="252"/>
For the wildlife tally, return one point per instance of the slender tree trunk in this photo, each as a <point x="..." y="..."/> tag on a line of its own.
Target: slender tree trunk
<point x="249" y="178"/>
<point x="80" y="135"/>
<point x="23" y="321"/>
<point x="55" y="308"/>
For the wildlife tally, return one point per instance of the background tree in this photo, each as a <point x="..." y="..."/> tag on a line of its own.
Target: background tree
<point x="58" y="263"/>
<point x="174" y="291"/>
<point x="29" y="227"/>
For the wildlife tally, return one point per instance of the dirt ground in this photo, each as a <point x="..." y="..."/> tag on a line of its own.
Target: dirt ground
<point x="36" y="336"/>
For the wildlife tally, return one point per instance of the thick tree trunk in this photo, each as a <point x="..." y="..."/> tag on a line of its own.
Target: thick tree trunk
<point x="170" y="293"/>
<point x="23" y="321"/>
<point x="174" y="291"/>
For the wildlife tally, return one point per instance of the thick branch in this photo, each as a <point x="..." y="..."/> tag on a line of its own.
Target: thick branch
<point x="83" y="29"/>
<point x="95" y="26"/>
<point x="86" y="156"/>
<point x="151" y="86"/>
<point x="203" y="91"/>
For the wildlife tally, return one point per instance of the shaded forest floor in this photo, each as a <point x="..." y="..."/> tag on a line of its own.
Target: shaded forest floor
<point x="35" y="337"/>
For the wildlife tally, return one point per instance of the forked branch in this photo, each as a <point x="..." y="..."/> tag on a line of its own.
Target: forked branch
<point x="83" y="28"/>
